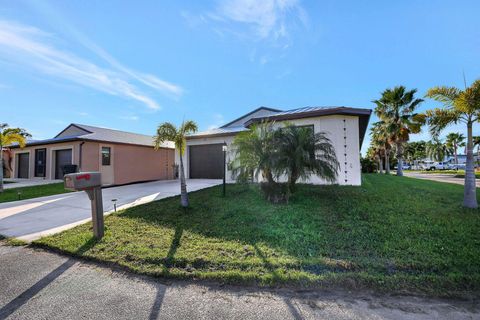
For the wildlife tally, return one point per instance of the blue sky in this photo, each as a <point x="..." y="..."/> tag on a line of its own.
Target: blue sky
<point x="131" y="65"/>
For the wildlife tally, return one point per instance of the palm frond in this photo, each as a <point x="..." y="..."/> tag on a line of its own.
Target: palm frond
<point x="188" y="127"/>
<point x="445" y="95"/>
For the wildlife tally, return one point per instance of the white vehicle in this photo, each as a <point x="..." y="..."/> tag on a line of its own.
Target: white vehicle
<point x="433" y="165"/>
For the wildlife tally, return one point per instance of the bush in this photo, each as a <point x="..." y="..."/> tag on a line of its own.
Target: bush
<point x="368" y="165"/>
<point x="276" y="193"/>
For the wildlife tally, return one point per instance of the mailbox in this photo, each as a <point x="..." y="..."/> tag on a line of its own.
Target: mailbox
<point x="82" y="181"/>
<point x="91" y="183"/>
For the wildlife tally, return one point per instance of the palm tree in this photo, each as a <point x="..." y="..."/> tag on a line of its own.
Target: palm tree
<point x="168" y="132"/>
<point x="302" y="152"/>
<point x="437" y="150"/>
<point x="459" y="106"/>
<point x="454" y="141"/>
<point x="10" y="136"/>
<point x="255" y="152"/>
<point x="396" y="108"/>
<point x="378" y="155"/>
<point x="383" y="139"/>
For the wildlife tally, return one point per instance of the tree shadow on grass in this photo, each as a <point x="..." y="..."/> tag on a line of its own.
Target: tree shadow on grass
<point x="170" y="258"/>
<point x="317" y="225"/>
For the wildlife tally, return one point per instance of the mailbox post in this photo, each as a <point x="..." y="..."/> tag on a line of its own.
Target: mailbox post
<point x="91" y="183"/>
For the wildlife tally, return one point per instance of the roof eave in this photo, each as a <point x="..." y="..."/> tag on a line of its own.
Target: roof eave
<point x="251" y="112"/>
<point x="213" y="135"/>
<point x="311" y="114"/>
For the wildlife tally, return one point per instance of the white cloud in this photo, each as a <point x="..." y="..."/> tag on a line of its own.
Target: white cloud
<point x="266" y="18"/>
<point x="83" y="114"/>
<point x="33" y="48"/>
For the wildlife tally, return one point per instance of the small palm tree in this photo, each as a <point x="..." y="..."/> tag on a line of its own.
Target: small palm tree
<point x="459" y="106"/>
<point x="454" y="141"/>
<point x="255" y="152"/>
<point x="437" y="150"/>
<point x="396" y="108"/>
<point x="10" y="136"/>
<point x="168" y="132"/>
<point x="302" y="152"/>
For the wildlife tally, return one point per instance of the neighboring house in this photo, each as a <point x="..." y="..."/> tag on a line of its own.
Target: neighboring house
<point x="121" y="157"/>
<point x="345" y="126"/>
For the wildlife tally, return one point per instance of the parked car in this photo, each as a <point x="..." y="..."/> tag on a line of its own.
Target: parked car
<point x="405" y="166"/>
<point x="453" y="166"/>
<point x="434" y="165"/>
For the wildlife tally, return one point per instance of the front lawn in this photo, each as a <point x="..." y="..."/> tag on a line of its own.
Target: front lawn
<point x="392" y="233"/>
<point x="31" y="192"/>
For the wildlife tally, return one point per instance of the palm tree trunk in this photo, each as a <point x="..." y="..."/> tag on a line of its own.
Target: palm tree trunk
<point x="183" y="185"/>
<point x="292" y="179"/>
<point x="1" y="168"/>
<point x="380" y="165"/>
<point x="400" y="160"/>
<point x="470" y="189"/>
<point x="387" y="162"/>
<point x="455" y="155"/>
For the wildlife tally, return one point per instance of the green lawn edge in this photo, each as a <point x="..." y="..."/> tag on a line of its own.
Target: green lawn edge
<point x="11" y="194"/>
<point x="451" y="279"/>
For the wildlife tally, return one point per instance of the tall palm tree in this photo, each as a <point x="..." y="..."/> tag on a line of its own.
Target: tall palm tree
<point x="383" y="138"/>
<point x="168" y="132"/>
<point x="437" y="150"/>
<point x="300" y="152"/>
<point x="396" y="108"/>
<point x="10" y="136"/>
<point x="459" y="106"/>
<point x="454" y="141"/>
<point x="378" y="154"/>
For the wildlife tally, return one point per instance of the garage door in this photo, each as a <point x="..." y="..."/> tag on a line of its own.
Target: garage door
<point x="206" y="161"/>
<point x="62" y="158"/>
<point x="23" y="165"/>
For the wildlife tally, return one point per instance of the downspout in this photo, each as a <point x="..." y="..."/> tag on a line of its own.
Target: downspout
<point x="80" y="157"/>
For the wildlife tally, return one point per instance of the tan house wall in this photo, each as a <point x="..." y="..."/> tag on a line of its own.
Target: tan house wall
<point x="129" y="163"/>
<point x="90" y="156"/>
<point x="50" y="158"/>
<point x="137" y="163"/>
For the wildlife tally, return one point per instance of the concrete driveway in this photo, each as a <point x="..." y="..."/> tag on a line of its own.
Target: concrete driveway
<point x="34" y="218"/>
<point x="41" y="285"/>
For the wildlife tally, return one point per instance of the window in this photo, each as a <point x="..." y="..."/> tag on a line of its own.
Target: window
<point x="106" y="156"/>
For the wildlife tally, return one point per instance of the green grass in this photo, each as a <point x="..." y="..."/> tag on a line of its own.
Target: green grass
<point x="32" y="192"/>
<point x="392" y="233"/>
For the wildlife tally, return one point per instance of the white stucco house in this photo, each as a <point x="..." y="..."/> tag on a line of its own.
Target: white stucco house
<point x="345" y="126"/>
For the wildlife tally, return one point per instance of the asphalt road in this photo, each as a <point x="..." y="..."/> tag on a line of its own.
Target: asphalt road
<point x="449" y="178"/>
<point x="39" y="285"/>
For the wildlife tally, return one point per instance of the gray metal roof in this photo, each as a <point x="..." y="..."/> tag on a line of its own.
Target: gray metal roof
<point x="104" y="135"/>
<point x="301" y="110"/>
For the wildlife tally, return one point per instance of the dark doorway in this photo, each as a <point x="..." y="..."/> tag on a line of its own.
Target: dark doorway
<point x="206" y="161"/>
<point x="62" y="158"/>
<point x="40" y="162"/>
<point x="23" y="165"/>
